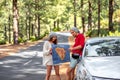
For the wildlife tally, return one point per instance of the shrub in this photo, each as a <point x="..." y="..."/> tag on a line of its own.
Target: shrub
<point x="56" y="29"/>
<point x="91" y="33"/>
<point x="2" y="42"/>
<point x="33" y="38"/>
<point x="94" y="33"/>
<point x="116" y="33"/>
<point x="22" y="40"/>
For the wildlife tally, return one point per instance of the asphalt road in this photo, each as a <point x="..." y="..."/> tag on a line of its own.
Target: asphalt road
<point x="27" y="64"/>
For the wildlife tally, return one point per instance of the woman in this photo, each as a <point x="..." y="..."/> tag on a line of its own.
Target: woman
<point x="47" y="56"/>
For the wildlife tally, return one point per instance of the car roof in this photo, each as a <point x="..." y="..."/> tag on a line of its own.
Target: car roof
<point x="97" y="39"/>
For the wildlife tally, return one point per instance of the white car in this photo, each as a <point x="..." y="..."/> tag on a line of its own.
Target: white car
<point x="100" y="59"/>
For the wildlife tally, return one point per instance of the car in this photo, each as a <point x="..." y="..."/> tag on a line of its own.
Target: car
<point x="100" y="59"/>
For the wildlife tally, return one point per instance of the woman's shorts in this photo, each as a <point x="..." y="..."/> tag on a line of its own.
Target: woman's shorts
<point x="50" y="62"/>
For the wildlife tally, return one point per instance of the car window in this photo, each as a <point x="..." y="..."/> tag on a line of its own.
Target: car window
<point x="103" y="48"/>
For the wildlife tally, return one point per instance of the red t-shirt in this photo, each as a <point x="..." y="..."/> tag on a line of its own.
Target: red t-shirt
<point x="79" y="40"/>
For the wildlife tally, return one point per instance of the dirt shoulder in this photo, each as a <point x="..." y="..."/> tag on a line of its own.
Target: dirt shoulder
<point x="8" y="49"/>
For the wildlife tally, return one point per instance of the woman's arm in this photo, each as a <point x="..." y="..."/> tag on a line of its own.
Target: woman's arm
<point x="46" y="48"/>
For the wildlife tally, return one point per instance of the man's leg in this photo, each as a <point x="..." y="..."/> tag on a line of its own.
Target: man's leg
<point x="69" y="70"/>
<point x="72" y="74"/>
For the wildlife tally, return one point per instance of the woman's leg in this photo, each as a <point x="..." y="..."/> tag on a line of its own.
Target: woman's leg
<point x="56" y="67"/>
<point x="49" y="68"/>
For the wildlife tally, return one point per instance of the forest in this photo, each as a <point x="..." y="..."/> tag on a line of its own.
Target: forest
<point x="31" y="20"/>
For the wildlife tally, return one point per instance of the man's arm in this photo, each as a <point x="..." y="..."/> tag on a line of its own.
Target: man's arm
<point x="75" y="48"/>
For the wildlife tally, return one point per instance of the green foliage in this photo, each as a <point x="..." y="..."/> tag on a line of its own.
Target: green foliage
<point x="116" y="16"/>
<point x="104" y="23"/>
<point x="116" y="33"/>
<point x="2" y="42"/>
<point x="41" y="36"/>
<point x="22" y="40"/>
<point x="19" y="40"/>
<point x="44" y="34"/>
<point x="33" y="38"/>
<point x="118" y="29"/>
<point x="56" y="29"/>
<point x="49" y="11"/>
<point x="104" y="32"/>
<point x="94" y="33"/>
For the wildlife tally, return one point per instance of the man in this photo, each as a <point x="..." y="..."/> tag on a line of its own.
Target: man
<point x="76" y="51"/>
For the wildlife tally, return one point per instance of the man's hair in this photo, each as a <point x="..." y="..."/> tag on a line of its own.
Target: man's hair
<point x="75" y="29"/>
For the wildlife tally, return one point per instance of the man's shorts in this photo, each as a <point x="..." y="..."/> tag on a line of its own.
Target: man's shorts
<point x="74" y="62"/>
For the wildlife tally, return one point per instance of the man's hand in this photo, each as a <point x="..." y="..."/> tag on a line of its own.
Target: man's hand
<point x="70" y="48"/>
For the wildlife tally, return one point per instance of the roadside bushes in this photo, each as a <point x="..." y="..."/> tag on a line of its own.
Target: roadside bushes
<point x="94" y="33"/>
<point x="2" y="42"/>
<point x="103" y="32"/>
<point x="32" y="38"/>
<point x="116" y="33"/>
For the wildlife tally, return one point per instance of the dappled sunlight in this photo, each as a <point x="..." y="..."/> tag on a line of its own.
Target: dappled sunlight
<point x="5" y="49"/>
<point x="33" y="70"/>
<point x="19" y="76"/>
<point x="20" y="67"/>
<point x="63" y="69"/>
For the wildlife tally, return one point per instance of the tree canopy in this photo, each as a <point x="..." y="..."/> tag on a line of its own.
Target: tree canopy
<point x="22" y="20"/>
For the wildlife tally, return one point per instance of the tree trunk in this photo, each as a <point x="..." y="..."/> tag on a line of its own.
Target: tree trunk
<point x="15" y="22"/>
<point x="26" y="25"/>
<point x="5" y="28"/>
<point x="82" y="18"/>
<point x="75" y="22"/>
<point x="5" y="33"/>
<point x="110" y="15"/>
<point x="58" y="24"/>
<point x="29" y="22"/>
<point x="9" y="30"/>
<point x="36" y="19"/>
<point x="99" y="17"/>
<point x="32" y="30"/>
<point x="29" y="27"/>
<point x="38" y="27"/>
<point x="89" y="15"/>
<point x="54" y="24"/>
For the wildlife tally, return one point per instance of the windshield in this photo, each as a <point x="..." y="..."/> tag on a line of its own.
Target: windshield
<point x="103" y="48"/>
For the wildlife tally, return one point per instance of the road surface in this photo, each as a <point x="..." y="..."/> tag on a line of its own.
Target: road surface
<point x="27" y="64"/>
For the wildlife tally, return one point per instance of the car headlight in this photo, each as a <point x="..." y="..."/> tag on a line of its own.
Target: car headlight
<point x="99" y="78"/>
<point x="90" y="77"/>
<point x="83" y="74"/>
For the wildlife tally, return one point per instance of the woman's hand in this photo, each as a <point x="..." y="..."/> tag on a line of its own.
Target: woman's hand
<point x="50" y="51"/>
